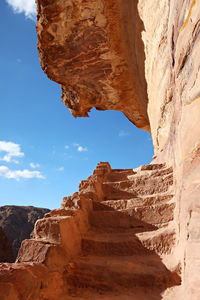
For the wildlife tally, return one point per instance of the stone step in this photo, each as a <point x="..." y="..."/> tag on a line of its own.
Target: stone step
<point x="127" y="218"/>
<point x="133" y="188"/>
<point x="129" y="241"/>
<point x="152" y="167"/>
<point x="161" y="241"/>
<point x="130" y="203"/>
<point x="109" y="274"/>
<point x="122" y="244"/>
<point x="137" y="294"/>
<point x="120" y="175"/>
<point x="151" y="174"/>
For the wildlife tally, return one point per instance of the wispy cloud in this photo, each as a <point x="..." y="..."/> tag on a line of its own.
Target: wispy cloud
<point x="60" y="169"/>
<point x="34" y="166"/>
<point x="28" y="7"/>
<point x="18" y="174"/>
<point x="123" y="133"/>
<point x="80" y="148"/>
<point x="11" y="150"/>
<point x="66" y="147"/>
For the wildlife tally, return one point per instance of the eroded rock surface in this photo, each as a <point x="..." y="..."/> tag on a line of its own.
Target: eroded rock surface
<point x="111" y="240"/>
<point x="6" y="253"/>
<point x="16" y="224"/>
<point x="172" y="38"/>
<point x="94" y="50"/>
<point x="172" y="64"/>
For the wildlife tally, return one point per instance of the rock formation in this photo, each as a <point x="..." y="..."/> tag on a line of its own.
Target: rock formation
<point x="6" y="253"/>
<point x="93" y="49"/>
<point x="111" y="240"/>
<point x="172" y="72"/>
<point x="16" y="224"/>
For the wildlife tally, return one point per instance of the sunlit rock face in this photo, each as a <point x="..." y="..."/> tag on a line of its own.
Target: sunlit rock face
<point x="134" y="232"/>
<point x="94" y="50"/>
<point x="172" y="68"/>
<point x="112" y="239"/>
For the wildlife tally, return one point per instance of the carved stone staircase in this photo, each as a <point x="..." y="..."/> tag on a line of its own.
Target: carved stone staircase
<point x="112" y="240"/>
<point x="131" y="228"/>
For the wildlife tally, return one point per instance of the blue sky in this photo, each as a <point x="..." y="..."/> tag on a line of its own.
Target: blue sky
<point x="44" y="151"/>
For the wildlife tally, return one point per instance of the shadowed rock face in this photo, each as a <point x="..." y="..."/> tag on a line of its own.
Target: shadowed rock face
<point x="16" y="224"/>
<point x="6" y="253"/>
<point x="94" y="50"/>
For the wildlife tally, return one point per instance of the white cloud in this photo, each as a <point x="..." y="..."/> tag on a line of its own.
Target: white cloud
<point x="80" y="148"/>
<point x="60" y="169"/>
<point x="123" y="133"/>
<point x="34" y="166"/>
<point x="17" y="174"/>
<point x="66" y="147"/>
<point x="28" y="7"/>
<point x="12" y="151"/>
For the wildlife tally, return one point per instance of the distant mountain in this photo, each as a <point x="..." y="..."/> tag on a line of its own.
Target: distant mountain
<point x="16" y="224"/>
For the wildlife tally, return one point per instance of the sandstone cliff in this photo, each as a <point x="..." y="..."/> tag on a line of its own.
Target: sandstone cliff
<point x="16" y="223"/>
<point x="93" y="49"/>
<point x="171" y="38"/>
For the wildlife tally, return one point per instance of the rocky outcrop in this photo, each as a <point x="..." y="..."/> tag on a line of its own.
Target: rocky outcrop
<point x="16" y="224"/>
<point x="6" y="253"/>
<point x="171" y="39"/>
<point x="94" y="50"/>
<point x="173" y="77"/>
<point x="108" y="245"/>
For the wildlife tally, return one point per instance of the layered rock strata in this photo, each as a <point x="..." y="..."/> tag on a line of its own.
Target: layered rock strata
<point x="111" y="240"/>
<point x="16" y="224"/>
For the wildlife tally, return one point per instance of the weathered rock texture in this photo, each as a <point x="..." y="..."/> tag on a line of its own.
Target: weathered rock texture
<point x="172" y="39"/>
<point x="172" y="64"/>
<point x="16" y="224"/>
<point x="6" y="253"/>
<point x="112" y="240"/>
<point x="94" y="50"/>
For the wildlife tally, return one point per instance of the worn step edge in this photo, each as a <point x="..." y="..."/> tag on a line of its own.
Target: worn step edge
<point x="129" y="203"/>
<point x="112" y="272"/>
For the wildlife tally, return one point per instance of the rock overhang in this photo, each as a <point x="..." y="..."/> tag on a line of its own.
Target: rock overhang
<point x="93" y="48"/>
